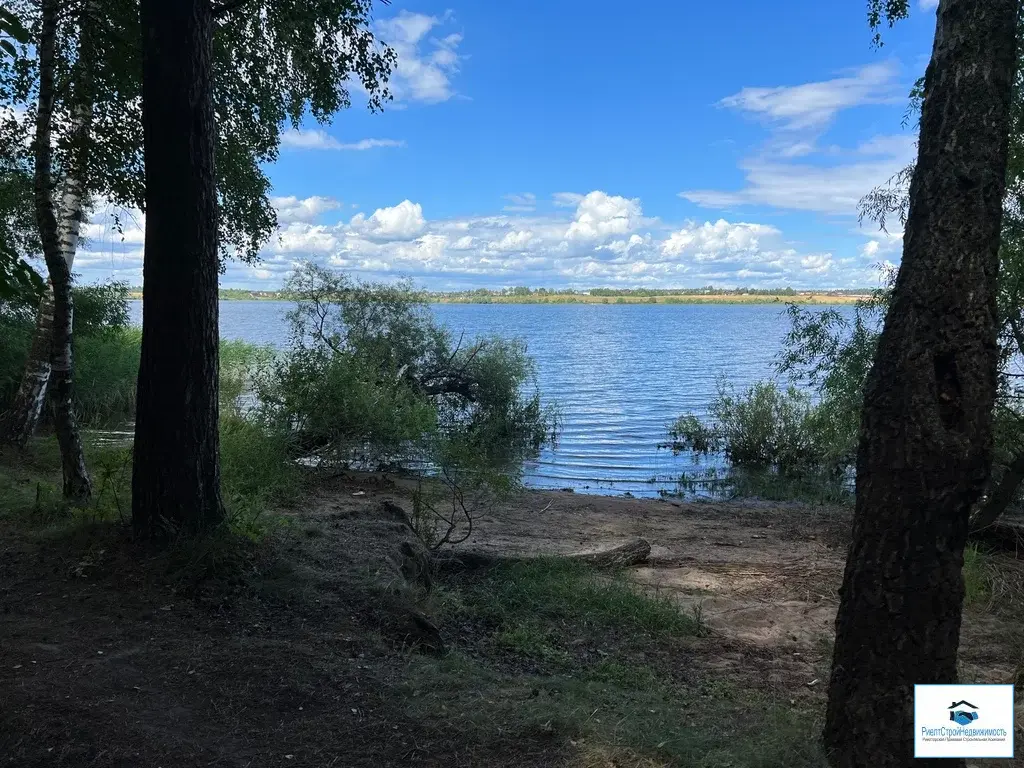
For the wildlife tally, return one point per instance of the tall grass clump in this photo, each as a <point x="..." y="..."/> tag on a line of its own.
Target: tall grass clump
<point x="258" y="468"/>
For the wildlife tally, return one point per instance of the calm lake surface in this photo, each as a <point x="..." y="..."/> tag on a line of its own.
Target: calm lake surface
<point x="618" y="373"/>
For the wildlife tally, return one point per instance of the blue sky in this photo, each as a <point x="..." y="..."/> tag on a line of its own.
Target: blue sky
<point x="581" y="143"/>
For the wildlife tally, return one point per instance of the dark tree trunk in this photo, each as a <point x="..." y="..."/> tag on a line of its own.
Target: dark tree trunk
<point x="1001" y="495"/>
<point x="176" y="476"/>
<point x="77" y="486"/>
<point x="926" y="433"/>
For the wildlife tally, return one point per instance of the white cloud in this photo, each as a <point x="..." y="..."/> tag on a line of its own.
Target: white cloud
<point x="833" y="189"/>
<point x="709" y="241"/>
<point x="604" y="241"/>
<point x="317" y="138"/>
<point x="817" y="263"/>
<point x="291" y="209"/>
<point x="301" y="237"/>
<point x="403" y="221"/>
<point x="425" y="65"/>
<point x="521" y="203"/>
<point x="814" y="105"/>
<point x="566" y="199"/>
<point x="928" y="5"/>
<point x="795" y="169"/>
<point x="516" y="240"/>
<point x="599" y="215"/>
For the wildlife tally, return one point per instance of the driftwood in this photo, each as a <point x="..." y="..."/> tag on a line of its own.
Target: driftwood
<point x="633" y="552"/>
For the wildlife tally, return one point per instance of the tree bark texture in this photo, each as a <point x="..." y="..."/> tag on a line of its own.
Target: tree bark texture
<point x="176" y="475"/>
<point x="22" y="419"/>
<point x="77" y="485"/>
<point x="925" y="445"/>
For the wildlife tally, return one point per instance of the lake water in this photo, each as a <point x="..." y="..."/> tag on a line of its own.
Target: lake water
<point x="619" y="373"/>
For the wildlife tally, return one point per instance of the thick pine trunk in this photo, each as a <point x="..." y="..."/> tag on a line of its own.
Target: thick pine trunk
<point x="22" y="419"/>
<point x="926" y="435"/>
<point x="77" y="486"/>
<point x="176" y="477"/>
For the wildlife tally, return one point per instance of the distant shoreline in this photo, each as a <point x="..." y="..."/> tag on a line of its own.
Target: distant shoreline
<point x="555" y="298"/>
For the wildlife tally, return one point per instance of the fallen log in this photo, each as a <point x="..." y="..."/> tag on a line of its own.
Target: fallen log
<point x="632" y="552"/>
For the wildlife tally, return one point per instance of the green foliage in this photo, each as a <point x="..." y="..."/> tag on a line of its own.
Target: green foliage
<point x="273" y="62"/>
<point x="370" y="380"/>
<point x="101" y="307"/>
<point x="887" y="12"/>
<point x="106" y="352"/>
<point x="30" y="486"/>
<point x="257" y="471"/>
<point x="785" y="442"/>
<point x="370" y="377"/>
<point x="106" y="372"/>
<point x="766" y="427"/>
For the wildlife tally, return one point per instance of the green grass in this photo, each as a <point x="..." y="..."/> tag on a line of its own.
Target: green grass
<point x="613" y="715"/>
<point x="30" y="486"/>
<point x="106" y="373"/>
<point x="257" y="475"/>
<point x="592" y="662"/>
<point x="556" y="589"/>
<point x="977" y="577"/>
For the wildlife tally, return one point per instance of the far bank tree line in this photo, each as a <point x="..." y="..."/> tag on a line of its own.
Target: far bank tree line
<point x="188" y="77"/>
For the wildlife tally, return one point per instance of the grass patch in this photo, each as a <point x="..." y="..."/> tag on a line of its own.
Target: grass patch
<point x="257" y="475"/>
<point x="977" y="577"/>
<point x="557" y="652"/>
<point x="561" y="590"/>
<point x="613" y="711"/>
<point x="31" y="486"/>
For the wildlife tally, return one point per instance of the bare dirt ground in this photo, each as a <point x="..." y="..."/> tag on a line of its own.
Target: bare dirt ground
<point x="314" y="655"/>
<point x="764" y="576"/>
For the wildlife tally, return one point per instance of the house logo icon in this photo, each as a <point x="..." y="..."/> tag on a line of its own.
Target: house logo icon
<point x="963" y="712"/>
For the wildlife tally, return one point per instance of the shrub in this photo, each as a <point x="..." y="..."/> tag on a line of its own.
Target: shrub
<point x="795" y="436"/>
<point x="370" y="377"/>
<point x="106" y="352"/>
<point x="766" y="427"/>
<point x="371" y="380"/>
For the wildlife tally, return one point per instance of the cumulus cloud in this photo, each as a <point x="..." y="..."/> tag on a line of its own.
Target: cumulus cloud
<point x="425" y="65"/>
<point x="291" y="209"/>
<point x="928" y="5"/>
<point x="710" y="241"/>
<point x="318" y="138"/>
<point x="604" y="240"/>
<point x="403" y="221"/>
<point x="817" y="263"/>
<point x="599" y="215"/>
